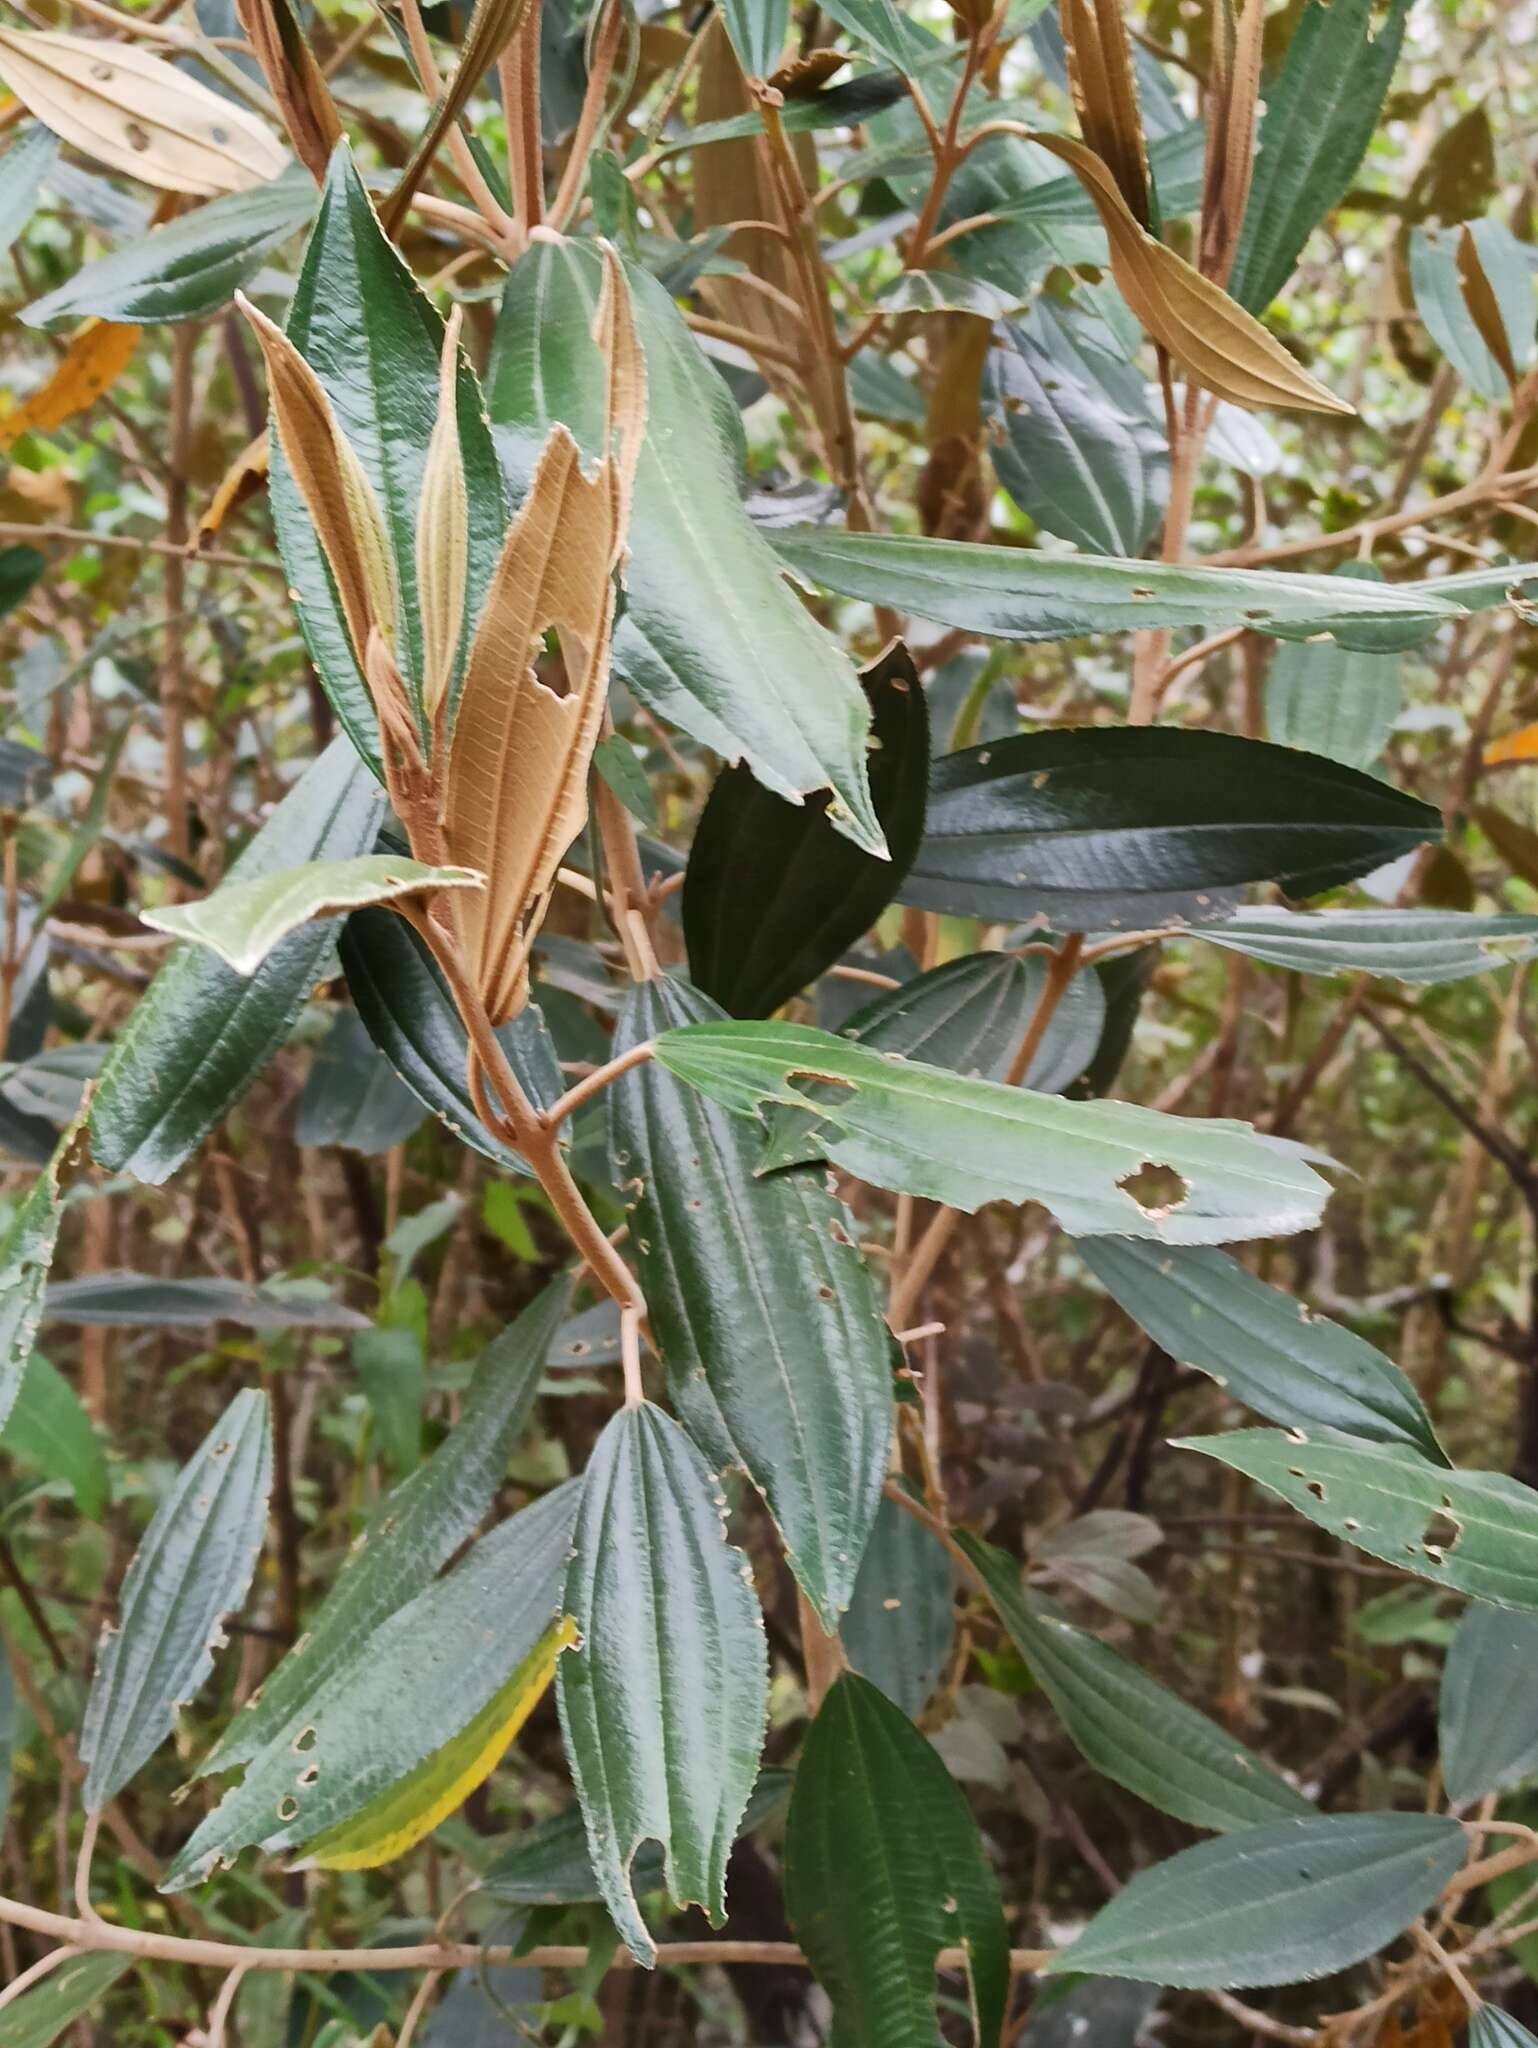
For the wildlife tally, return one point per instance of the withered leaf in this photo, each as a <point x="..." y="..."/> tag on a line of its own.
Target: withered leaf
<point x="516" y="793"/>
<point x="1484" y="307"/>
<point x="97" y="356"/>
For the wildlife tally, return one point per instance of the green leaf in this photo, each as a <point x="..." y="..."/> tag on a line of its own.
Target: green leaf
<point x="1321" y="111"/>
<point x="901" y="1623"/>
<point x="549" y="1864"/>
<point x="1337" y="701"/>
<point x="947" y="291"/>
<point x="1473" y="1532"/>
<point x="1073" y="441"/>
<point x="22" y="170"/>
<point x="710" y="637"/>
<point x="244" y="921"/>
<point x="1260" y="1345"/>
<point x="26" y="1253"/>
<point x="1281" y="1904"/>
<point x="414" y="1529"/>
<point x="191" y="1569"/>
<point x="1487" y="1720"/>
<point x="202" y="1034"/>
<point x="762" y="1308"/>
<point x="1442" y="305"/>
<point x="1009" y="593"/>
<point x="191" y="266"/>
<point x="1116" y="827"/>
<point x="143" y="1301"/>
<point x="884" y="1867"/>
<point x="396" y="1694"/>
<point x="1492" y="2028"/>
<point x="1420" y="946"/>
<point x="406" y="1008"/>
<point x="1126" y="1725"/>
<point x="353" y="1096"/>
<point x="48" y="1427"/>
<point x="392" y="1371"/>
<point x="757" y="29"/>
<point x="903" y="1125"/>
<point x="813" y="891"/>
<point x="75" y="1989"/>
<point x="882" y="26"/>
<point x="20" y="569"/>
<point x="665" y="1700"/>
<point x="374" y="340"/>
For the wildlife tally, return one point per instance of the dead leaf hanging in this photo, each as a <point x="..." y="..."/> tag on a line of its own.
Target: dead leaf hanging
<point x="96" y="357"/>
<point x="138" y="114"/>
<point x="516" y="793"/>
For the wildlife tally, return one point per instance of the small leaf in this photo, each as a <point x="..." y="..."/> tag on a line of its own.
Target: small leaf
<point x="202" y="1034"/>
<point x="1117" y="828"/>
<point x="191" y="1569"/>
<point x="872" y="1797"/>
<point x="401" y="1817"/>
<point x="901" y="1623"/>
<point x="137" y="114"/>
<point x="143" y="1301"/>
<point x="1474" y="1532"/>
<point x="22" y="170"/>
<point x="26" y="1253"/>
<point x="95" y="359"/>
<point x="1492" y="2028"/>
<point x="1280" y="1904"/>
<point x="1487" y="1721"/>
<point x="901" y="1124"/>
<point x="664" y="1703"/>
<point x="48" y="1427"/>
<point x="1419" y="946"/>
<point x="814" y="891"/>
<point x="757" y="29"/>
<point x="1260" y="1345"/>
<point x="244" y="921"/>
<point x="75" y="1989"/>
<point x="1473" y="289"/>
<point x="1128" y="1726"/>
<point x="393" y="1697"/>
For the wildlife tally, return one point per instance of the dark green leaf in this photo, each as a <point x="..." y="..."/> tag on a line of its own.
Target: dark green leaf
<point x="77" y="1987"/>
<point x="1272" y="1905"/>
<point x="396" y="1694"/>
<point x="1260" y="1345"/>
<point x="143" y="1301"/>
<point x="190" y="267"/>
<point x="1072" y="439"/>
<point x="20" y="568"/>
<point x="48" y="1427"/>
<point x="664" y="1701"/>
<point x="407" y="1010"/>
<point x="710" y="637"/>
<point x="392" y="1372"/>
<point x="353" y="1096"/>
<point x="901" y="1622"/>
<point x="884" y="1867"/>
<point x="1321" y="111"/>
<point x="549" y="1864"/>
<point x="813" y="891"/>
<point x="1010" y="593"/>
<point x="764" y="1313"/>
<point x="1474" y="1532"/>
<point x="1128" y="1726"/>
<point x="1422" y="946"/>
<point x="1114" y="827"/>
<point x="415" y="1528"/>
<point x="1487" y="1721"/>
<point x="202" y="1033"/>
<point x="191" y="1569"/>
<point x="923" y="1131"/>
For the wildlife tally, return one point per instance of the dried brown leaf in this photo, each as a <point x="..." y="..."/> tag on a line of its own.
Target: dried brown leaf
<point x="516" y="787"/>
<point x="246" y="475"/>
<point x="96" y="357"/>
<point x="295" y="79"/>
<point x="1483" y="306"/>
<point x="137" y="114"/>
<point x="1104" y="88"/>
<point x="1216" y="343"/>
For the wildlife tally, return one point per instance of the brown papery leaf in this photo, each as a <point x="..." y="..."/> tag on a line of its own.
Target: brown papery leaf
<point x="1104" y="88"/>
<point x="96" y="357"/>
<point x="1215" y="342"/>
<point x="337" y="493"/>
<point x="516" y="793"/>
<point x="295" y="80"/>
<point x="1484" y="307"/>
<point x="1233" y="93"/>
<point x="137" y="114"/>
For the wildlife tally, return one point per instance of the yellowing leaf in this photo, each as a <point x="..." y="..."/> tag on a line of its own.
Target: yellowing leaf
<point x="93" y="362"/>
<point x="138" y="114"/>
<point x="516" y="791"/>
<point x="1516" y="746"/>
<point x="244" y="477"/>
<point x="398" y="1819"/>
<point x="1216" y="343"/>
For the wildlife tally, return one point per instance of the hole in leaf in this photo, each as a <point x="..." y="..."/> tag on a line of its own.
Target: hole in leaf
<point x="1316" y="1488"/>
<point x="1158" y="1190"/>
<point x="1441" y="1533"/>
<point x="303" y="1741"/>
<point x="288" y="1807"/>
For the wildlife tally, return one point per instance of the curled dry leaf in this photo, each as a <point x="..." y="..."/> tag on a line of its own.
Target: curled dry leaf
<point x="516" y="791"/>
<point x="295" y="81"/>
<point x="1215" y="342"/>
<point x="137" y="114"/>
<point x="246" y="475"/>
<point x="97" y="356"/>
<point x="1104" y="88"/>
<point x="1483" y="305"/>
